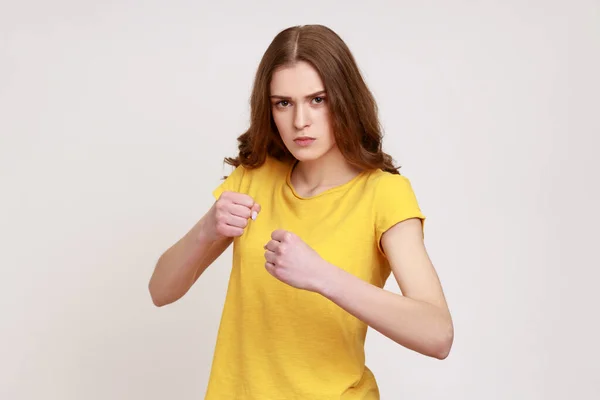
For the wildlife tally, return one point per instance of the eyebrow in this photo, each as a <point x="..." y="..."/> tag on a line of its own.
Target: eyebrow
<point x="276" y="96"/>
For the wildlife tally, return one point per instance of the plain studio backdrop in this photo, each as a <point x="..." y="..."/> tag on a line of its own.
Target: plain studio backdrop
<point x="115" y="118"/>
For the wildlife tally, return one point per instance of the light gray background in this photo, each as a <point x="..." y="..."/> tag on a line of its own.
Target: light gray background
<point x="115" y="117"/>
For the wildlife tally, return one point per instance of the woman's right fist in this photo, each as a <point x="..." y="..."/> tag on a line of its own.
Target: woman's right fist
<point x="230" y="213"/>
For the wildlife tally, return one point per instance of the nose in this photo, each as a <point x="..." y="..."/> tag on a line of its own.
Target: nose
<point x="302" y="117"/>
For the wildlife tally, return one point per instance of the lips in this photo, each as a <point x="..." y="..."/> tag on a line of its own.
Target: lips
<point x="304" y="140"/>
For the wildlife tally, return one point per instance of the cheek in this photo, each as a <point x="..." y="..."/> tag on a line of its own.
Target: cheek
<point x="281" y="122"/>
<point x="323" y="117"/>
<point x="325" y="124"/>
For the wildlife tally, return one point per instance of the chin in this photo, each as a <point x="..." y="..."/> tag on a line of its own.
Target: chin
<point x="306" y="155"/>
<point x="310" y="153"/>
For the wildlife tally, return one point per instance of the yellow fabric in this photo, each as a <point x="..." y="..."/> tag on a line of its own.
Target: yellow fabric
<point x="278" y="342"/>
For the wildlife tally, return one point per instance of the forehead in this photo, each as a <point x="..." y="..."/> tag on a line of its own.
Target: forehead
<point x="296" y="80"/>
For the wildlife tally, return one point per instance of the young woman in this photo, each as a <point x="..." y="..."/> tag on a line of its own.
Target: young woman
<point x="319" y="218"/>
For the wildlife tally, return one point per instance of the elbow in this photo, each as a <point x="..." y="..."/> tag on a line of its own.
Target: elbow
<point x="158" y="299"/>
<point x="444" y="342"/>
<point x="158" y="302"/>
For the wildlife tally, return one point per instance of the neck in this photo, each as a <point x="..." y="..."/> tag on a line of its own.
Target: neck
<point x="328" y="171"/>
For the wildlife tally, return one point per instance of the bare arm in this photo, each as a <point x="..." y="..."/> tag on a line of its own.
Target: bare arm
<point x="181" y="265"/>
<point x="419" y="319"/>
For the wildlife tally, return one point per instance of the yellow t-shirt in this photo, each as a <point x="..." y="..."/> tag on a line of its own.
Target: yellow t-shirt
<point x="276" y="342"/>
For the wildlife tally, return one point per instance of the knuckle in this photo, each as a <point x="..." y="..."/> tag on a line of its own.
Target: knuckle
<point x="220" y="204"/>
<point x="221" y="228"/>
<point x="281" y="250"/>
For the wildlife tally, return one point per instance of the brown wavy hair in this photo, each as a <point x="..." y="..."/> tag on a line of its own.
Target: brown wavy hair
<point x="356" y="127"/>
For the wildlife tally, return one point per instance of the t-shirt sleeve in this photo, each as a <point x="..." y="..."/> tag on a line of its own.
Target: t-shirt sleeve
<point x="395" y="202"/>
<point x="232" y="183"/>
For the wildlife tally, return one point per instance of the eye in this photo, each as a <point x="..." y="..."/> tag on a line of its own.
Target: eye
<point x="319" y="100"/>
<point x="282" y="103"/>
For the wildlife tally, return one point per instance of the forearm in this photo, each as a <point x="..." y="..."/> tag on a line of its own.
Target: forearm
<point x="179" y="267"/>
<point x="416" y="325"/>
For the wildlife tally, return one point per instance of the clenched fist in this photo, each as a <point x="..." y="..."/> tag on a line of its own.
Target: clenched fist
<point x="229" y="216"/>
<point x="292" y="261"/>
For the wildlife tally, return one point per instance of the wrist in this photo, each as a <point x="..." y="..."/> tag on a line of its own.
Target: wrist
<point x="203" y="238"/>
<point x="203" y="232"/>
<point x="329" y="278"/>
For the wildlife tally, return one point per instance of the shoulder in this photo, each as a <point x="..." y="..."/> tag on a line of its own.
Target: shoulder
<point x="272" y="169"/>
<point x="384" y="185"/>
<point x="269" y="166"/>
<point x="394" y="199"/>
<point x="244" y="179"/>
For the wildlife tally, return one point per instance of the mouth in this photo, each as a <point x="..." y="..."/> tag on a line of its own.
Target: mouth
<point x="304" y="140"/>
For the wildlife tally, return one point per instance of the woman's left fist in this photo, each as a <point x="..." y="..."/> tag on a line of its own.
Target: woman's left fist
<point x="291" y="260"/>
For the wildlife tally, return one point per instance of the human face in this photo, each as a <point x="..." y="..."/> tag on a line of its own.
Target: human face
<point x="300" y="111"/>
